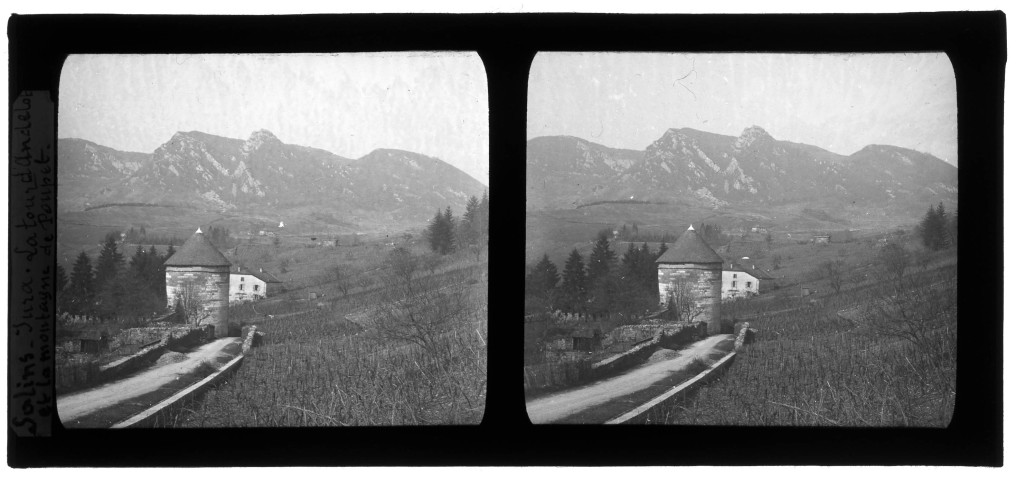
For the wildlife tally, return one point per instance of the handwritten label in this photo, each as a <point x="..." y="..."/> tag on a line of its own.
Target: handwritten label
<point x="32" y="233"/>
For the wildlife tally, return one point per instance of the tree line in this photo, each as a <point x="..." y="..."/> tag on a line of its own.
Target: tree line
<point x="938" y="230"/>
<point x="139" y="237"/>
<point x="221" y="237"/>
<point x="601" y="284"/>
<point x="114" y="286"/>
<point x="712" y="234"/>
<point x="446" y="233"/>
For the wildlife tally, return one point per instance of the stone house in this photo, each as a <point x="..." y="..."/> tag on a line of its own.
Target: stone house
<point x="198" y="274"/>
<point x="251" y="285"/>
<point x="744" y="279"/>
<point x="692" y="264"/>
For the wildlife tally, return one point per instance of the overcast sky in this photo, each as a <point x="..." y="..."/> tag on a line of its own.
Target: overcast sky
<point x="840" y="102"/>
<point x="348" y="104"/>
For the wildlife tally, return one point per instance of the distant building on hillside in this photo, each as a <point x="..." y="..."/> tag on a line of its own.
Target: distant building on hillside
<point x="741" y="279"/>
<point x="251" y="285"/>
<point x="692" y="263"/>
<point x="820" y="239"/>
<point x="198" y="274"/>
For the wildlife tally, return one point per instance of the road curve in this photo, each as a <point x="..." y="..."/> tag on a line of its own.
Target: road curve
<point x="557" y="406"/>
<point x="75" y="405"/>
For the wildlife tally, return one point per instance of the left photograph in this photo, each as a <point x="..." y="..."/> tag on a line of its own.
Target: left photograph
<point x="272" y="240"/>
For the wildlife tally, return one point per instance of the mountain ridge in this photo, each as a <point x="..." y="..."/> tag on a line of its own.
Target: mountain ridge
<point x="753" y="168"/>
<point x="217" y="173"/>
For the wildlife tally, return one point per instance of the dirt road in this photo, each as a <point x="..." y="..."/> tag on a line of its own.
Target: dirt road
<point x="167" y="369"/>
<point x="558" y="406"/>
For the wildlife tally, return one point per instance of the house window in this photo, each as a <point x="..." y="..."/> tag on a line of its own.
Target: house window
<point x="735" y="275"/>
<point x="748" y="285"/>
<point x="241" y="278"/>
<point x="256" y="287"/>
<point x="733" y="284"/>
<point x="241" y="287"/>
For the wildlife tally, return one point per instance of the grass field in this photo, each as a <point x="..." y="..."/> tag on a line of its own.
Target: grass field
<point x="336" y="360"/>
<point x="556" y="232"/>
<point x="880" y="353"/>
<point x="84" y="230"/>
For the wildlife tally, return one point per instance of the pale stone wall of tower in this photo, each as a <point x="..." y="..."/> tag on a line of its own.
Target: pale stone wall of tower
<point x="705" y="280"/>
<point x="210" y="285"/>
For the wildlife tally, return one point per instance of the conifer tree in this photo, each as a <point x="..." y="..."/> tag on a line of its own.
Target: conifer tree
<point x="139" y="261"/>
<point x="441" y="232"/>
<point x="662" y="250"/>
<point x="448" y="231"/>
<point x="82" y="289"/>
<point x="543" y="279"/>
<point x="110" y="261"/>
<point x="469" y="226"/>
<point x="434" y="232"/>
<point x="82" y="277"/>
<point x="601" y="260"/>
<point x="630" y="262"/>
<point x="573" y="282"/>
<point x="933" y="229"/>
<point x="169" y="252"/>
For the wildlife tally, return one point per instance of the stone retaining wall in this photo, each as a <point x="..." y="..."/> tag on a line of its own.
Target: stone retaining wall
<point x="148" y="417"/>
<point x="670" y="336"/>
<point x="77" y="377"/>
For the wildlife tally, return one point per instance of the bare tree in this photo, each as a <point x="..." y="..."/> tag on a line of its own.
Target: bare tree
<point x="344" y="277"/>
<point x="416" y="310"/>
<point x="402" y="265"/>
<point x="681" y="304"/>
<point x="923" y="315"/>
<point x="189" y="303"/>
<point x="833" y="270"/>
<point x="432" y="262"/>
<point x="895" y="259"/>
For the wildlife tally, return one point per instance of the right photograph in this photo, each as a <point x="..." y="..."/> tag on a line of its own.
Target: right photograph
<point x="747" y="239"/>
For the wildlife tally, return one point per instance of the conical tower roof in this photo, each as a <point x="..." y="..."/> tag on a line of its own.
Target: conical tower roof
<point x="198" y="251"/>
<point x="689" y="248"/>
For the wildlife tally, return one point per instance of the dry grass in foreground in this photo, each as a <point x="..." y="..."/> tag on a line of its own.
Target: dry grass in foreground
<point x="319" y="368"/>
<point x="892" y="362"/>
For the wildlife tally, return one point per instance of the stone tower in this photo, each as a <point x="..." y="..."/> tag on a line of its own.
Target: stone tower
<point x="691" y="263"/>
<point x="199" y="273"/>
